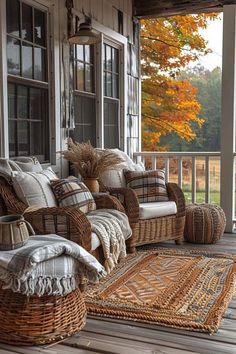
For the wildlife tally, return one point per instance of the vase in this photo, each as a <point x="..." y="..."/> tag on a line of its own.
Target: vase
<point x="92" y="184"/>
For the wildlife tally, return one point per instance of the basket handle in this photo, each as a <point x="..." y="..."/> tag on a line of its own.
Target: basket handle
<point x="29" y="226"/>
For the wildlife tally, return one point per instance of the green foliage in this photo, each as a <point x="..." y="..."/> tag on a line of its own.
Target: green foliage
<point x="208" y="85"/>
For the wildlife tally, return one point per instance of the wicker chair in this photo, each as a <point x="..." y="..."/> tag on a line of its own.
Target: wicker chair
<point x="154" y="230"/>
<point x="68" y="222"/>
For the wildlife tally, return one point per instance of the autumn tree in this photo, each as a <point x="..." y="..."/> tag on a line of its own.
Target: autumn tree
<point x="169" y="104"/>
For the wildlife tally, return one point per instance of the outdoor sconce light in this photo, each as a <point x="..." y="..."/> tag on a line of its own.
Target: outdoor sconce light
<point x="83" y="35"/>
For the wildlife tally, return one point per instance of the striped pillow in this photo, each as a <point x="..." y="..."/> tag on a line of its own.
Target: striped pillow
<point x="148" y="185"/>
<point x="72" y="192"/>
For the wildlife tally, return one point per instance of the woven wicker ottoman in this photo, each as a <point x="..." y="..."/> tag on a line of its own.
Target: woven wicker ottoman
<point x="205" y="223"/>
<point x="41" y="320"/>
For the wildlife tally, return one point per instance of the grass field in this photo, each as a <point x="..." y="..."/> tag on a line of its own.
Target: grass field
<point x="200" y="197"/>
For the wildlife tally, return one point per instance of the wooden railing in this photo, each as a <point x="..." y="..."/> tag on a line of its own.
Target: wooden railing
<point x="209" y="160"/>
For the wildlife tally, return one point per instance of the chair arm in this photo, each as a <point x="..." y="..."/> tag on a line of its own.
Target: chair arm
<point x="106" y="201"/>
<point x="130" y="202"/>
<point x="11" y="201"/>
<point x="68" y="222"/>
<point x="176" y="194"/>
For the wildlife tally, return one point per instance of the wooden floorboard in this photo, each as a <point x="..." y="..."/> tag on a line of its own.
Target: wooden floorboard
<point x="110" y="336"/>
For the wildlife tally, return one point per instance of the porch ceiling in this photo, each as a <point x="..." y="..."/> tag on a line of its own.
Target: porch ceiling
<point x="160" y="8"/>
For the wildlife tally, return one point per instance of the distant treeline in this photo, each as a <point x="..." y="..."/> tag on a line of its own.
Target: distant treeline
<point x="207" y="138"/>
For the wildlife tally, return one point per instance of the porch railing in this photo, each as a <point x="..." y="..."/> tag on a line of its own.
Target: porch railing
<point x="197" y="173"/>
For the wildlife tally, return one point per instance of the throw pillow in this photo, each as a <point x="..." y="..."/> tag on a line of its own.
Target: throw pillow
<point x="73" y="192"/>
<point x="34" y="189"/>
<point x="148" y="185"/>
<point x="28" y="164"/>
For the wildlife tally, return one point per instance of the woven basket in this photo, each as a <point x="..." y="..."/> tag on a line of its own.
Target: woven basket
<point x="40" y="320"/>
<point x="205" y="223"/>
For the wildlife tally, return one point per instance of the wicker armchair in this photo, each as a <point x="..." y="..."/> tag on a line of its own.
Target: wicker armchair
<point x="154" y="230"/>
<point x="68" y="222"/>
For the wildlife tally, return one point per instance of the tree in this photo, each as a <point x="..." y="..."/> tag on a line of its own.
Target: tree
<point x="169" y="104"/>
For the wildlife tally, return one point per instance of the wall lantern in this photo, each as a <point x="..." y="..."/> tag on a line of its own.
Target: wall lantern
<point x="84" y="34"/>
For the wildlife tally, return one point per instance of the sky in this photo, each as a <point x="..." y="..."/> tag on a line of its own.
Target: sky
<point x="213" y="34"/>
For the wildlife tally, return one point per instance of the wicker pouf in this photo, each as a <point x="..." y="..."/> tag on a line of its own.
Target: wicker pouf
<point x="40" y="320"/>
<point x="205" y="223"/>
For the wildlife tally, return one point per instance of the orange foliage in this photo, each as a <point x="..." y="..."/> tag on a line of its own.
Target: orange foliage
<point x="168" y="104"/>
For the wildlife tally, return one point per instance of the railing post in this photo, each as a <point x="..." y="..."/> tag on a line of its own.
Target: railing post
<point x="167" y="168"/>
<point x="154" y="162"/>
<point x="207" y="180"/>
<point x="193" y="179"/>
<point x="180" y="172"/>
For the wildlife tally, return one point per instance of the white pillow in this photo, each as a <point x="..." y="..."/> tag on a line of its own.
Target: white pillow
<point x="28" y="164"/>
<point x="34" y="189"/>
<point x="115" y="178"/>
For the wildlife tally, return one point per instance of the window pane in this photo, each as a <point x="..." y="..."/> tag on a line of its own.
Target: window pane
<point x="13" y="56"/>
<point x="88" y="78"/>
<point x="23" y="143"/>
<point x="79" y="52"/>
<point x="108" y="57"/>
<point x="36" y="138"/>
<point x="27" y="27"/>
<point x="39" y="64"/>
<point x="111" y="123"/>
<point x="37" y="103"/>
<point x="109" y="84"/>
<point x="115" y="91"/>
<point x="27" y="62"/>
<point x="13" y="17"/>
<point x="12" y="138"/>
<point x="39" y="27"/>
<point x="80" y="76"/>
<point x="11" y="101"/>
<point x="87" y="53"/>
<point x="115" y="60"/>
<point x="22" y="102"/>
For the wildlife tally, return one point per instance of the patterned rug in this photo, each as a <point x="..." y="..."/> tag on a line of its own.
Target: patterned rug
<point x="181" y="289"/>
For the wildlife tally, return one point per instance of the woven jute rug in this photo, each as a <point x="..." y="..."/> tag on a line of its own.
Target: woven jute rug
<point x="167" y="287"/>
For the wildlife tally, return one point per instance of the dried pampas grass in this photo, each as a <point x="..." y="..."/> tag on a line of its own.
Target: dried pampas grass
<point x="90" y="162"/>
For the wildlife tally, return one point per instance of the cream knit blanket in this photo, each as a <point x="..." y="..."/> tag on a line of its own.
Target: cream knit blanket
<point x="112" y="228"/>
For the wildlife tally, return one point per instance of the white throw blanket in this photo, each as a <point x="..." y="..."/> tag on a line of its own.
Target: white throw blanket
<point x="112" y="228"/>
<point x="49" y="265"/>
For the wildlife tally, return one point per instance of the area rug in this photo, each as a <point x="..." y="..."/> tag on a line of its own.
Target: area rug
<point x="180" y="289"/>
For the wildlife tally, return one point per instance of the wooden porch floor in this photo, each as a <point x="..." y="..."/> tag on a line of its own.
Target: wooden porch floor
<point x="123" y="337"/>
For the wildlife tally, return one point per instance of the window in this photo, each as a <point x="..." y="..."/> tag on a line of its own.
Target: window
<point x="28" y="103"/>
<point x="84" y="94"/>
<point x="111" y="97"/>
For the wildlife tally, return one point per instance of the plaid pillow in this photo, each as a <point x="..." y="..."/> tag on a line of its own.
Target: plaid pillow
<point x="148" y="185"/>
<point x="72" y="192"/>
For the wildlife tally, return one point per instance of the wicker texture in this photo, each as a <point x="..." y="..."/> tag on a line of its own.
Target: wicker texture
<point x="205" y="223"/>
<point x="156" y="229"/>
<point x="181" y="289"/>
<point x="68" y="222"/>
<point x="40" y="320"/>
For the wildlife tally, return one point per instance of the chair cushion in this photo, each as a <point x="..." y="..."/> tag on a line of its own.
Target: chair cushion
<point x="28" y="164"/>
<point x="72" y="192"/>
<point x="149" y="186"/>
<point x="34" y="189"/>
<point x="115" y="178"/>
<point x="156" y="209"/>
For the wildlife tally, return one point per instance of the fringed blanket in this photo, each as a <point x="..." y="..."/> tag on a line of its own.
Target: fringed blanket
<point x="112" y="228"/>
<point x="48" y="265"/>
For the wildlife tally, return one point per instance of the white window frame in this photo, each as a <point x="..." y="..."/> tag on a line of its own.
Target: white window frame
<point x="119" y="41"/>
<point x="52" y="8"/>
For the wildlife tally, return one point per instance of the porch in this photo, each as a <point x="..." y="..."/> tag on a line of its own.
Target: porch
<point x="104" y="335"/>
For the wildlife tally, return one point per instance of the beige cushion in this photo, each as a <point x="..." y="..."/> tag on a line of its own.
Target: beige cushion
<point x="156" y="209"/>
<point x="115" y="178"/>
<point x="28" y="164"/>
<point x="34" y="189"/>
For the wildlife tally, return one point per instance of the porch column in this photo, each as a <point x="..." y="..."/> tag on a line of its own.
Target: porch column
<point x="228" y="114"/>
<point x="3" y="84"/>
